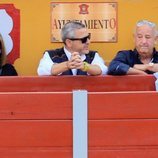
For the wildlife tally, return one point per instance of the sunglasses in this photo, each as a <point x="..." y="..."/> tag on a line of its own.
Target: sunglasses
<point x="83" y="39"/>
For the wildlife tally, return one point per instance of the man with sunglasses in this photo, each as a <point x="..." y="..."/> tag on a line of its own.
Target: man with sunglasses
<point x="74" y="58"/>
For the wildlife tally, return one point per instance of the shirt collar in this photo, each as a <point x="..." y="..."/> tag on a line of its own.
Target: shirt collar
<point x="68" y="54"/>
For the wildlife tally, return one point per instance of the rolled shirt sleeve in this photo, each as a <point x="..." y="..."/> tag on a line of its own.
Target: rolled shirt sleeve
<point x="45" y="65"/>
<point x="100" y="62"/>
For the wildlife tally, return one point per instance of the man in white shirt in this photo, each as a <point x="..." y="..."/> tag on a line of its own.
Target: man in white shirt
<point x="74" y="58"/>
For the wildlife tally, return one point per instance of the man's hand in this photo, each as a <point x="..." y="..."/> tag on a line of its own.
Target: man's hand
<point x="152" y="67"/>
<point x="75" y="61"/>
<point x="133" y="71"/>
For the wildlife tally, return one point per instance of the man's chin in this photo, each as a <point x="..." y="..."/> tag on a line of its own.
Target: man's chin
<point x="85" y="51"/>
<point x="144" y="50"/>
<point x="144" y="53"/>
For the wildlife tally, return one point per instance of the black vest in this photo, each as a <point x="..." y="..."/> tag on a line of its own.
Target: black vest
<point x="59" y="56"/>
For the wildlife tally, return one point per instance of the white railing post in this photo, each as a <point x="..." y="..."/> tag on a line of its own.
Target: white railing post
<point x="80" y="124"/>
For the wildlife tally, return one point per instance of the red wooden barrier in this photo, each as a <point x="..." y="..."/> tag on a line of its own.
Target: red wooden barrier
<point x="39" y="124"/>
<point x="58" y="105"/>
<point x="69" y="83"/>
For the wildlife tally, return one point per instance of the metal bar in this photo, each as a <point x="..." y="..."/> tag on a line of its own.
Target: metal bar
<point x="80" y="138"/>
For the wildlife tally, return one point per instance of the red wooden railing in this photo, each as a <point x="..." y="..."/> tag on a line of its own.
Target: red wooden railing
<point x="39" y="124"/>
<point x="69" y="83"/>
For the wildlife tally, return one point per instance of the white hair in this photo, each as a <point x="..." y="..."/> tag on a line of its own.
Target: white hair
<point x="148" y="23"/>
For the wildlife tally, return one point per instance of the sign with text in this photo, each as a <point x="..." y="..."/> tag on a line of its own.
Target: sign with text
<point x="100" y="19"/>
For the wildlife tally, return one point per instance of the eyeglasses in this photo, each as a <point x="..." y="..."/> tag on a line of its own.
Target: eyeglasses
<point x="83" y="39"/>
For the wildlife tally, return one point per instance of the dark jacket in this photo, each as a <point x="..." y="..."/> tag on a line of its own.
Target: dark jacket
<point x="8" y="70"/>
<point x="126" y="59"/>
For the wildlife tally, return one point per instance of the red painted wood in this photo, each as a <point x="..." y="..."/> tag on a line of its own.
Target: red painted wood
<point x="102" y="133"/>
<point x="39" y="124"/>
<point x="56" y="105"/>
<point x="123" y="105"/>
<point x="124" y="153"/>
<point x="68" y="83"/>
<point x="67" y="153"/>
<point x="128" y="132"/>
<point x="41" y="152"/>
<point x="36" y="105"/>
<point x="32" y="133"/>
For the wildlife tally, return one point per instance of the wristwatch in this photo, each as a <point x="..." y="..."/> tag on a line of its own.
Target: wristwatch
<point x="151" y="64"/>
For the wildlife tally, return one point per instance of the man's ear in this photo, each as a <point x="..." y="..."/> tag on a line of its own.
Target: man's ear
<point x="156" y="40"/>
<point x="68" y="42"/>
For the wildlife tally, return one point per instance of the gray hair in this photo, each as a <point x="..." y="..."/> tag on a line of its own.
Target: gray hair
<point x="68" y="31"/>
<point x="148" y="23"/>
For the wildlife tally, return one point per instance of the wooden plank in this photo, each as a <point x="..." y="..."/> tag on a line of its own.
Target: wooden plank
<point x="42" y="152"/>
<point x="105" y="105"/>
<point x="32" y="133"/>
<point x="68" y="83"/>
<point x="130" y="132"/>
<point x="146" y="153"/>
<point x="123" y="105"/>
<point x="36" y="105"/>
<point x="102" y="133"/>
<point x="67" y="153"/>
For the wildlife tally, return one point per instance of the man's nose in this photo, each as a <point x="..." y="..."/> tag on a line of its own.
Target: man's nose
<point x="144" y="39"/>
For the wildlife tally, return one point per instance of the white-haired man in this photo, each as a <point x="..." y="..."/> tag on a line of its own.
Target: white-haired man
<point x="144" y="58"/>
